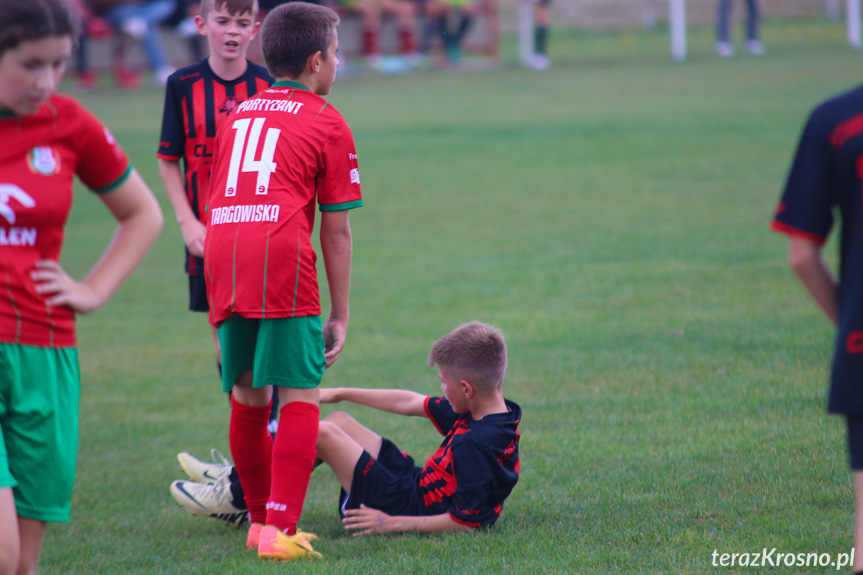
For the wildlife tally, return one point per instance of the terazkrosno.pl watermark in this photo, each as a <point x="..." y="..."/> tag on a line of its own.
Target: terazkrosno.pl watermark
<point x="774" y="558"/>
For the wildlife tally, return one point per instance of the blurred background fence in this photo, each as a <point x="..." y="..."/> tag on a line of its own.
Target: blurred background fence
<point x="616" y="14"/>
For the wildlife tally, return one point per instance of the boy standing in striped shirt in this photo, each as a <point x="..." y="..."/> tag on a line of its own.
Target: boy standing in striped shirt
<point x="198" y="99"/>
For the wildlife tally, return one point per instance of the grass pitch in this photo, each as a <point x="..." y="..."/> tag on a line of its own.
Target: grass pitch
<point x="610" y="216"/>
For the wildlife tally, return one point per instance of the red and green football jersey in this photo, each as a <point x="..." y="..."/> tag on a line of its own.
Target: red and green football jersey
<point x="276" y="157"/>
<point x="39" y="157"/>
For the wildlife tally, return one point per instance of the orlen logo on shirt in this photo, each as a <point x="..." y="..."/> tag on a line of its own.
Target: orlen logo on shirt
<point x="15" y="236"/>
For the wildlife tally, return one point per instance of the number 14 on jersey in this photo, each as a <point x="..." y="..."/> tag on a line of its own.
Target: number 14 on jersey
<point x="243" y="155"/>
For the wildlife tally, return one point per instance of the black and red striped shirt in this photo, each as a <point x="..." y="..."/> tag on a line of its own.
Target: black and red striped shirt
<point x="197" y="101"/>
<point x="826" y="181"/>
<point x="475" y="468"/>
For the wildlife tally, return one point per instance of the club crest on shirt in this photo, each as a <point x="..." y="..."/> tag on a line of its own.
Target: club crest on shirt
<point x="43" y="160"/>
<point x="228" y="105"/>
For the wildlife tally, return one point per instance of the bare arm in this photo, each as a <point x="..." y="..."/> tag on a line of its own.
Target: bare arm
<point x="399" y="401"/>
<point x="337" y="249"/>
<point x="139" y="221"/>
<point x="808" y="264"/>
<point x="366" y="521"/>
<point x="193" y="230"/>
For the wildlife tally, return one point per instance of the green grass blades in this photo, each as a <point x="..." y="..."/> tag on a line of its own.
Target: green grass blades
<point x="610" y="215"/>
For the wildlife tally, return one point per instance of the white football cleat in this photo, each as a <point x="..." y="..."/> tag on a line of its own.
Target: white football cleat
<point x="203" y="472"/>
<point x="209" y="500"/>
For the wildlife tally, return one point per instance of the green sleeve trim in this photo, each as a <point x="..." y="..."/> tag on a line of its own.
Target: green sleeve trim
<point x="342" y="206"/>
<point x="117" y="182"/>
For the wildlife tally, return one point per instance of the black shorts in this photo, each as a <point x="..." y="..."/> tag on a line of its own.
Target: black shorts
<point x="387" y="483"/>
<point x="198" y="294"/>
<point x="855" y="441"/>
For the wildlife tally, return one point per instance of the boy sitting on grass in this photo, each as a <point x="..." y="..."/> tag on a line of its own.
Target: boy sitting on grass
<point x="462" y="486"/>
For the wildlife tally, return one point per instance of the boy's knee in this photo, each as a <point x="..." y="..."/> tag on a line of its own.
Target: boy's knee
<point x="327" y="431"/>
<point x="331" y="429"/>
<point x="338" y="418"/>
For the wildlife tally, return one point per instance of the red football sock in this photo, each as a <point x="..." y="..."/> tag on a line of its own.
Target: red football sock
<point x="252" y="450"/>
<point x="370" y="42"/>
<point x="293" y="462"/>
<point x="406" y="39"/>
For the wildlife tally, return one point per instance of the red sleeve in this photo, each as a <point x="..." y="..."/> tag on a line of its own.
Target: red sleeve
<point x="339" y="184"/>
<point x="102" y="164"/>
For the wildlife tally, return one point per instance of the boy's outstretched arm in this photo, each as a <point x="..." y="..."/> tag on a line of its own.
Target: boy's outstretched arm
<point x="365" y="521"/>
<point x="399" y="401"/>
<point x="805" y="259"/>
<point x="337" y="249"/>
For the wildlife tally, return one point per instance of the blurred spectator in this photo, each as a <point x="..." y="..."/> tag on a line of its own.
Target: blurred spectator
<point x="463" y="13"/>
<point x="97" y="28"/>
<point x="539" y="60"/>
<point x="372" y="13"/>
<point x="183" y="23"/>
<point x="140" y="19"/>
<point x="724" y="45"/>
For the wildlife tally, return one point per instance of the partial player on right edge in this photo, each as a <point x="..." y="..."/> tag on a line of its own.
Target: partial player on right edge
<point x="826" y="177"/>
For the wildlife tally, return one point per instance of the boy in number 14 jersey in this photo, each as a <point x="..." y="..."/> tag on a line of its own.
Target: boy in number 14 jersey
<point x="280" y="156"/>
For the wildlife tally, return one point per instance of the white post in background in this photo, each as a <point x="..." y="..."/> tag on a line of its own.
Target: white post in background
<point x="677" y="21"/>
<point x="525" y="32"/>
<point x="853" y="16"/>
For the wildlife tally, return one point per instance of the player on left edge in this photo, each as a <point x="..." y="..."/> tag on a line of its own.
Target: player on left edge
<point x="47" y="140"/>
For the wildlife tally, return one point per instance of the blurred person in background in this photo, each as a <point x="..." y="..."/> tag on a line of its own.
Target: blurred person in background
<point x="140" y="19"/>
<point x="724" y="44"/>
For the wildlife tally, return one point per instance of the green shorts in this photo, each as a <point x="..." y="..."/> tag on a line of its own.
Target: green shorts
<point x="40" y="391"/>
<point x="288" y="352"/>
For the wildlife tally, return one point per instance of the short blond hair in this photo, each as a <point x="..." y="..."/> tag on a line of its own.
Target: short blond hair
<point x="475" y="352"/>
